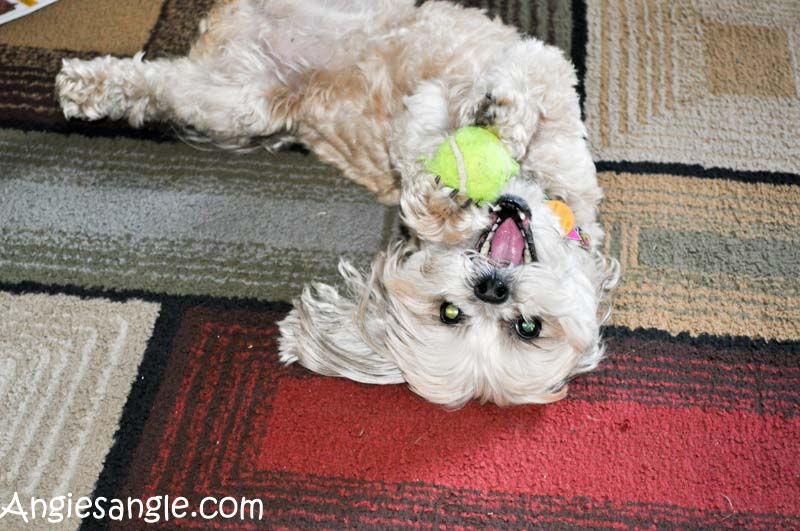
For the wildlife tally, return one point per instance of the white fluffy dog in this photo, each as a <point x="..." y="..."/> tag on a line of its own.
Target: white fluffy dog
<point x="373" y="86"/>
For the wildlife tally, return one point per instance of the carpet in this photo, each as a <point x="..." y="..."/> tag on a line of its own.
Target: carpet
<point x="141" y="281"/>
<point x="66" y="363"/>
<point x="695" y="81"/>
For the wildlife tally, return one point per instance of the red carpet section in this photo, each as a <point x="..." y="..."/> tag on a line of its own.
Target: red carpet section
<point x="672" y="431"/>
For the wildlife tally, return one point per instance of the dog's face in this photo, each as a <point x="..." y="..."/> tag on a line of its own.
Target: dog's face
<point x="506" y="313"/>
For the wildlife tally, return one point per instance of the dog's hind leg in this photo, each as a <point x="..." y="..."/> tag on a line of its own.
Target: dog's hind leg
<point x="244" y="74"/>
<point x="186" y="92"/>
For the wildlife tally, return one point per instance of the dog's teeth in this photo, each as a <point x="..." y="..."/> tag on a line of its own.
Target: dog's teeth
<point x="487" y="245"/>
<point x="527" y="256"/>
<point x="522" y="216"/>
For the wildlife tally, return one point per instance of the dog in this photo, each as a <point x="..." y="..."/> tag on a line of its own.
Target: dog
<point x="373" y="87"/>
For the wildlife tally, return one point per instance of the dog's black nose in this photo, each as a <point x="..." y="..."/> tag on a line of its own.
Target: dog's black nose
<point x="491" y="289"/>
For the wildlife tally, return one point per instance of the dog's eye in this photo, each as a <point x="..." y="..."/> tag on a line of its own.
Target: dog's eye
<point x="528" y="329"/>
<point x="449" y="313"/>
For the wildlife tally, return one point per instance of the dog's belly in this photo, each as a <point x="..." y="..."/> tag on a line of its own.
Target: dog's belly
<point x="282" y="39"/>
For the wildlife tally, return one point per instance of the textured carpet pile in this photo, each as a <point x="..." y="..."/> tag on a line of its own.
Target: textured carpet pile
<point x="141" y="280"/>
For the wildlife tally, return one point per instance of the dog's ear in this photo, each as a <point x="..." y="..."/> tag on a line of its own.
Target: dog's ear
<point x="607" y="274"/>
<point x="337" y="335"/>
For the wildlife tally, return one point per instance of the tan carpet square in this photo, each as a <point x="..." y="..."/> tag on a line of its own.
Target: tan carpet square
<point x="748" y="60"/>
<point x="83" y="25"/>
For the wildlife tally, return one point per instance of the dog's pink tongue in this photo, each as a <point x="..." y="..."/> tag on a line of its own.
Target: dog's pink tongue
<point x="507" y="244"/>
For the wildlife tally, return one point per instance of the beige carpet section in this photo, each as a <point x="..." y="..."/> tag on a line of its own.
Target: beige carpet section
<point x="705" y="256"/>
<point x="66" y="367"/>
<point x="108" y="26"/>
<point x="695" y="82"/>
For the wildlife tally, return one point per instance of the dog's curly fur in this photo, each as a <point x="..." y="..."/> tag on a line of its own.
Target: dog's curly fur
<point x="372" y="86"/>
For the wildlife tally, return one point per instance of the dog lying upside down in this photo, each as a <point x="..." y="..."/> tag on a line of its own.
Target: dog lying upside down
<point x="374" y="87"/>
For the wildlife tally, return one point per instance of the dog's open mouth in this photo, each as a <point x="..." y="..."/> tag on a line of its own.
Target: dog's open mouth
<point x="509" y="241"/>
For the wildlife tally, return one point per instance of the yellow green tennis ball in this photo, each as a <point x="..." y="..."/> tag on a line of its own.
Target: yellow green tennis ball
<point x="473" y="160"/>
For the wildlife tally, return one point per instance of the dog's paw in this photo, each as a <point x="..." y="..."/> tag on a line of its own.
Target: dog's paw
<point x="94" y="89"/>
<point x="450" y="198"/>
<point x="508" y="113"/>
<point x="438" y="213"/>
<point x="490" y="111"/>
<point x="80" y="88"/>
<point x="452" y="208"/>
<point x="446" y="199"/>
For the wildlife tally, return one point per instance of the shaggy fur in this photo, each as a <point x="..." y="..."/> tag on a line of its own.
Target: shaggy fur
<point x="372" y="86"/>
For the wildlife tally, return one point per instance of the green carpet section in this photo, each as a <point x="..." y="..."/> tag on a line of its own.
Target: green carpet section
<point x="549" y="20"/>
<point x="170" y="218"/>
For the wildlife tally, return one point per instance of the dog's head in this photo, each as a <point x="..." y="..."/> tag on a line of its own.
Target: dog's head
<point x="507" y="310"/>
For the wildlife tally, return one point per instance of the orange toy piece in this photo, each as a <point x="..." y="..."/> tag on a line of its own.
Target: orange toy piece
<point x="564" y="214"/>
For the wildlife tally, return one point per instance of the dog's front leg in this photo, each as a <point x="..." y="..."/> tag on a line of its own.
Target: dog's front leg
<point x="528" y="98"/>
<point x="183" y="91"/>
<point x="527" y="84"/>
<point x="433" y="212"/>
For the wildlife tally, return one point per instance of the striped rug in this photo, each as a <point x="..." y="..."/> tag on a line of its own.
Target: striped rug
<point x="141" y="280"/>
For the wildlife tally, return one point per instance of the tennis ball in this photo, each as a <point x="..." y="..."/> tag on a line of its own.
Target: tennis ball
<point x="473" y="160"/>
